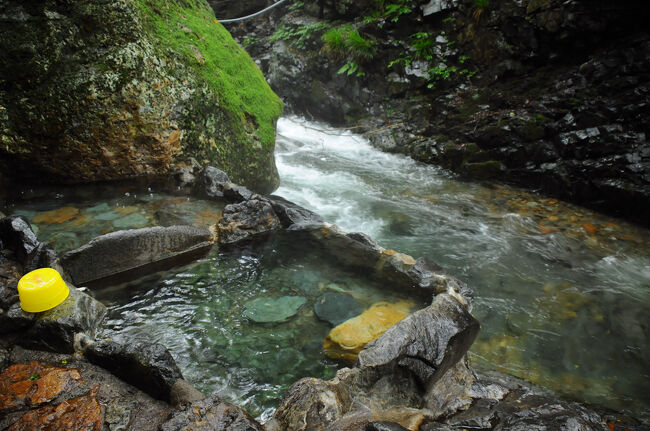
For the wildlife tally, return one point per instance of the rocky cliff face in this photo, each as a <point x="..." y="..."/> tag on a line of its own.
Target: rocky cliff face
<point x="546" y="94"/>
<point x="98" y="91"/>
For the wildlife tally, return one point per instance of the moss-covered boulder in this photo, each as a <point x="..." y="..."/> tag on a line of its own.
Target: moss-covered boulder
<point x="122" y="88"/>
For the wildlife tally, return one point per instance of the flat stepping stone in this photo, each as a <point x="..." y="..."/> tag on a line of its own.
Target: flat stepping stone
<point x="267" y="310"/>
<point x="335" y="307"/>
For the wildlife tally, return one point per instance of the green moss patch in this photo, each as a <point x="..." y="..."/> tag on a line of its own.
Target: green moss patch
<point x="189" y="29"/>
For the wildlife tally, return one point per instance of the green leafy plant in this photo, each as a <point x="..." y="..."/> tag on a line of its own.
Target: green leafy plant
<point x="298" y="36"/>
<point x="347" y="43"/>
<point x="249" y="41"/>
<point x="390" y="10"/>
<point x="297" y="6"/>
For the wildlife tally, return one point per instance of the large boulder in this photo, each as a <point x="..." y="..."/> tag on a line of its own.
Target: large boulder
<point x="131" y="253"/>
<point x="99" y="91"/>
<point x="427" y="343"/>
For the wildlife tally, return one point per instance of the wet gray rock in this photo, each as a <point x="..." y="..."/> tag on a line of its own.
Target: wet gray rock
<point x="236" y="193"/>
<point x="246" y="220"/>
<point x="4" y="357"/>
<point x="525" y="411"/>
<point x="131" y="253"/>
<point x="427" y="343"/>
<point x="211" y="182"/>
<point x="57" y="328"/>
<point x="147" y="366"/>
<point x="294" y="216"/>
<point x="17" y="235"/>
<point x="211" y="414"/>
<point x="335" y="308"/>
<point x="429" y="275"/>
<point x="182" y="393"/>
<point x="312" y="404"/>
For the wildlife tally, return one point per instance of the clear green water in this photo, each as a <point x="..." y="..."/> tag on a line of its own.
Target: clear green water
<point x="198" y="313"/>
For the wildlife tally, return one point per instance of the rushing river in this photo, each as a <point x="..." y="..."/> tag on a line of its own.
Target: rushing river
<point x="562" y="293"/>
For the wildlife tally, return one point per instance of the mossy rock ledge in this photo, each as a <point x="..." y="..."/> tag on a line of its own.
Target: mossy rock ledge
<point x="114" y="89"/>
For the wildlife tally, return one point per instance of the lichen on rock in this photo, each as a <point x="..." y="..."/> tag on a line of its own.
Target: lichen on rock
<point x="98" y="91"/>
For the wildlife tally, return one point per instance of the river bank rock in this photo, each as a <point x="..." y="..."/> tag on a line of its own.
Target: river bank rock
<point x="124" y="255"/>
<point x="336" y="307"/>
<point x="153" y="85"/>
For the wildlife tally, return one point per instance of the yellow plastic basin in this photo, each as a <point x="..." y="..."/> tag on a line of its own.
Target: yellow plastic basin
<point x="41" y="290"/>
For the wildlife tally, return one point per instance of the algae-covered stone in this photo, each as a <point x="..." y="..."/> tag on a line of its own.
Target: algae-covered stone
<point x="346" y="340"/>
<point x="109" y="90"/>
<point x="266" y="310"/>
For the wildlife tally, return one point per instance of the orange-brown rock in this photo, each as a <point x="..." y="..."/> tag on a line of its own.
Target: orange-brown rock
<point x="34" y="384"/>
<point x="346" y="340"/>
<point x="78" y="414"/>
<point x="56" y="216"/>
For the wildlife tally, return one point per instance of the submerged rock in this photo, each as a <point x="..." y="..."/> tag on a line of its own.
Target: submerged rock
<point x="267" y="310"/>
<point x="131" y="253"/>
<point x="346" y="340"/>
<point x="135" y="220"/>
<point x="335" y="307"/>
<point x="147" y="101"/>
